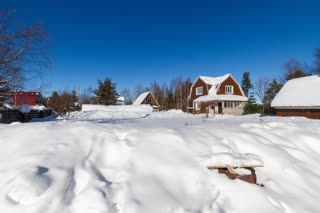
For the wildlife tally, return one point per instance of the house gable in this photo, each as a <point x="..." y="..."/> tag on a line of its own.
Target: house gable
<point x="198" y="83"/>
<point x="151" y="99"/>
<point x="230" y="81"/>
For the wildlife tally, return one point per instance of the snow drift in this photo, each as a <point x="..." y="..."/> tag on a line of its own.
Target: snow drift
<point x="112" y="112"/>
<point x="156" y="163"/>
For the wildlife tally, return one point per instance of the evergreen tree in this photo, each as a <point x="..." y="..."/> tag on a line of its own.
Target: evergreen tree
<point x="74" y="104"/>
<point x="251" y="106"/>
<point x="273" y="89"/>
<point x="246" y="83"/>
<point x="169" y="101"/>
<point x="106" y="93"/>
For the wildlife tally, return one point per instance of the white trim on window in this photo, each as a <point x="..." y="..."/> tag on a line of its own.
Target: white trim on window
<point x="199" y="92"/>
<point x="229" y="89"/>
<point x="228" y="104"/>
<point x="197" y="105"/>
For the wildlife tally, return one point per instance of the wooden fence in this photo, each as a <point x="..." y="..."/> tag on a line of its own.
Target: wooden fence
<point x="13" y="115"/>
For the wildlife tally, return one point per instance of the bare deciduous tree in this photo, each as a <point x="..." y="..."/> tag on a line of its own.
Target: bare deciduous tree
<point x="294" y="69"/>
<point x="138" y="90"/>
<point x="63" y="101"/>
<point x="23" y="49"/>
<point x="127" y="96"/>
<point x="317" y="60"/>
<point x="174" y="97"/>
<point x="86" y="97"/>
<point x="260" y="89"/>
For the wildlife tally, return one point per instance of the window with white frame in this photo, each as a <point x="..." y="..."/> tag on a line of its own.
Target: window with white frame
<point x="197" y="106"/>
<point x="229" y="89"/>
<point x="228" y="104"/>
<point x="199" y="91"/>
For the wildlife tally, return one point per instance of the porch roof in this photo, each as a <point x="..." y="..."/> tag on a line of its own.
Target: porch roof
<point x="206" y="98"/>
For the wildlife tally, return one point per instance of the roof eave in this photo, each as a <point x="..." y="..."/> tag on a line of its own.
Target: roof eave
<point x="296" y="107"/>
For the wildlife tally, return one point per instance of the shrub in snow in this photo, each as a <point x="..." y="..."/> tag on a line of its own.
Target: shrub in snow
<point x="25" y="108"/>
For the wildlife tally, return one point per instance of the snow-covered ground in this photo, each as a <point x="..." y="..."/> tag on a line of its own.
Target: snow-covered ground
<point x="132" y="160"/>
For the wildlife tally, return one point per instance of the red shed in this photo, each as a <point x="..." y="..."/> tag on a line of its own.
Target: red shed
<point x="22" y="97"/>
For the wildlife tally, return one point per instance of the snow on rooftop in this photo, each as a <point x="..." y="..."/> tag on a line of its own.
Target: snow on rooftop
<point x="141" y="98"/>
<point x="221" y="98"/>
<point x="215" y="82"/>
<point x="121" y="98"/>
<point x="300" y="92"/>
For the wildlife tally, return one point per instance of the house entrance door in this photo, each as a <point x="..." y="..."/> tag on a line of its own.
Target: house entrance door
<point x="220" y="107"/>
<point x="211" y="109"/>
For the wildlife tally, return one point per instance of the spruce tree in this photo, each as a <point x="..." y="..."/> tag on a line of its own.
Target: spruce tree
<point x="251" y="106"/>
<point x="74" y="104"/>
<point x="170" y="101"/>
<point x="273" y="89"/>
<point x="246" y="83"/>
<point x="106" y="93"/>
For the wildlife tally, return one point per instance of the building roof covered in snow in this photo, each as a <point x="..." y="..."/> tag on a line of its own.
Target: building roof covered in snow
<point x="141" y="98"/>
<point x="215" y="82"/>
<point x="121" y="98"/>
<point x="221" y="98"/>
<point x="147" y="98"/>
<point x="299" y="93"/>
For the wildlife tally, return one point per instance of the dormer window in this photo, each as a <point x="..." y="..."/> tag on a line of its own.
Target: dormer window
<point x="199" y="91"/>
<point x="229" y="89"/>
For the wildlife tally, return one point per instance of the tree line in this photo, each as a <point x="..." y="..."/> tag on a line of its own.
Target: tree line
<point x="265" y="89"/>
<point x="175" y="94"/>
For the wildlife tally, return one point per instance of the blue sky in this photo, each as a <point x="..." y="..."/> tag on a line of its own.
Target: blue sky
<point x="140" y="41"/>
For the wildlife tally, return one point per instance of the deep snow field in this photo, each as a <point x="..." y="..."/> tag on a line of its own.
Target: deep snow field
<point x="128" y="159"/>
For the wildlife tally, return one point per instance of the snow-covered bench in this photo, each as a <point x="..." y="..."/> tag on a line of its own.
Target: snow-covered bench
<point x="235" y="165"/>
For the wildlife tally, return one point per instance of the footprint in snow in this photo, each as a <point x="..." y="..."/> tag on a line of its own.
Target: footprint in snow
<point x="29" y="185"/>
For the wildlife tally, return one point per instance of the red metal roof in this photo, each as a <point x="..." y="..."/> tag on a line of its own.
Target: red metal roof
<point x="22" y="97"/>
